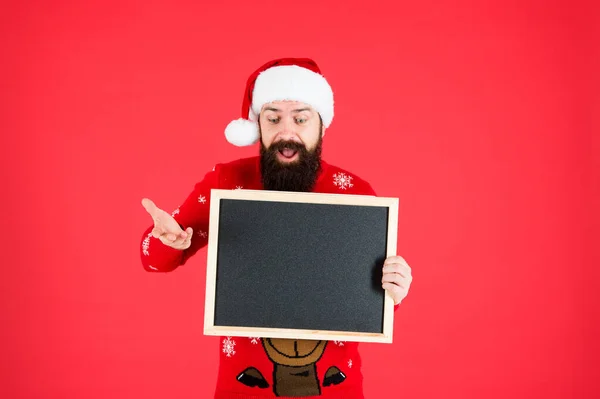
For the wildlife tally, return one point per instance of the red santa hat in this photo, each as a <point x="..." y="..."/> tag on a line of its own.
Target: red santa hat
<point x="295" y="79"/>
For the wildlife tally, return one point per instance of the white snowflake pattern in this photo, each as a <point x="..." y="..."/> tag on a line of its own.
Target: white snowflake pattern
<point x="175" y="212"/>
<point x="339" y="343"/>
<point x="146" y="244"/>
<point x="228" y="347"/>
<point x="202" y="199"/>
<point x="342" y="181"/>
<point x="239" y="187"/>
<point x="350" y="363"/>
<point x="254" y="340"/>
<point x="202" y="234"/>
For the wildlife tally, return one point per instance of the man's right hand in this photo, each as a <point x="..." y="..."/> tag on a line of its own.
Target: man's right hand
<point x="166" y="228"/>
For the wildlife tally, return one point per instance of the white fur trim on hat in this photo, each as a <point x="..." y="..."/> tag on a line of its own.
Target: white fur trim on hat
<point x="291" y="82"/>
<point x="242" y="132"/>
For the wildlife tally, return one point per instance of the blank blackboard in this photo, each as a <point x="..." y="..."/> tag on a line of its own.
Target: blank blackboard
<point x="299" y="265"/>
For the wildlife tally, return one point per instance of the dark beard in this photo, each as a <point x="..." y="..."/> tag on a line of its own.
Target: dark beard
<point x="300" y="175"/>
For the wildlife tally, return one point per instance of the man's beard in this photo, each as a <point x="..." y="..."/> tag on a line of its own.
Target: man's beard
<point x="299" y="175"/>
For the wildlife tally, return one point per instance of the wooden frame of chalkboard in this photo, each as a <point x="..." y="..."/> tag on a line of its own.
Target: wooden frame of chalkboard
<point x="299" y="265"/>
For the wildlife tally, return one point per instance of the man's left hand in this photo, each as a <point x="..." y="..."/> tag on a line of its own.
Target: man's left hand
<point x="397" y="277"/>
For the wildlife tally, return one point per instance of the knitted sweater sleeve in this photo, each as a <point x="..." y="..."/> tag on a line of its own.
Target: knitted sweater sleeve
<point x="193" y="212"/>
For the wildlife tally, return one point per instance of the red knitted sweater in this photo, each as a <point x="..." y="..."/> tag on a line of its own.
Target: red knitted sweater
<point x="251" y="368"/>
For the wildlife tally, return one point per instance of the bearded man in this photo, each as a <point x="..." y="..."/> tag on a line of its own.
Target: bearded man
<point x="288" y="105"/>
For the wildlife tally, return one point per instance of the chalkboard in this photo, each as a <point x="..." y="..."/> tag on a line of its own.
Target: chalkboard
<point x="299" y="265"/>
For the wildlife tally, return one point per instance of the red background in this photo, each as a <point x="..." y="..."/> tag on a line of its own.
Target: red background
<point x="479" y="117"/>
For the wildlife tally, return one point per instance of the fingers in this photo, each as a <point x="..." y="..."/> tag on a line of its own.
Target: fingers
<point x="397" y="264"/>
<point x="154" y="212"/>
<point x="184" y="243"/>
<point x="182" y="240"/>
<point x="163" y="222"/>
<point x="395" y="260"/>
<point x="157" y="232"/>
<point x="397" y="293"/>
<point x="172" y="241"/>
<point x="175" y="237"/>
<point x="401" y="269"/>
<point x="392" y="288"/>
<point x="182" y="234"/>
<point x="149" y="206"/>
<point x="394" y="278"/>
<point x="397" y="277"/>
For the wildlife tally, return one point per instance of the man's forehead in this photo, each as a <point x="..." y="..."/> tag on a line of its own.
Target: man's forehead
<point x="280" y="106"/>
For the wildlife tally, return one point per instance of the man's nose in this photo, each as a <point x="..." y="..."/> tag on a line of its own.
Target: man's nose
<point x="288" y="129"/>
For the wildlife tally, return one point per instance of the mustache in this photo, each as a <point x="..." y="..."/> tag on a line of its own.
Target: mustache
<point x="287" y="144"/>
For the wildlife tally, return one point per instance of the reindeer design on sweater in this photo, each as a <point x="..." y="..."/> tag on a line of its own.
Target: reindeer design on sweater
<point x="295" y="369"/>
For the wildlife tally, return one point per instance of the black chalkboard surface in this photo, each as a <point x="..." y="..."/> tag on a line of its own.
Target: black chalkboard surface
<point x="299" y="265"/>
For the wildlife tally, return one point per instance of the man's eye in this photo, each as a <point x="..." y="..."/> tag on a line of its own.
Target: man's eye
<point x="300" y="120"/>
<point x="273" y="120"/>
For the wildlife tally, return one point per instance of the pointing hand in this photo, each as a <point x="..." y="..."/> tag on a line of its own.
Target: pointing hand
<point x="166" y="228"/>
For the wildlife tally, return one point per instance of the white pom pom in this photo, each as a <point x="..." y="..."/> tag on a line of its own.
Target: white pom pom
<point x="242" y="132"/>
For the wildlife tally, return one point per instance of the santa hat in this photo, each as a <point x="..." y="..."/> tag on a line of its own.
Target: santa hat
<point x="295" y="79"/>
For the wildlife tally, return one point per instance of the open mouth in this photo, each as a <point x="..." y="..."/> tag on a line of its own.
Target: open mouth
<point x="287" y="153"/>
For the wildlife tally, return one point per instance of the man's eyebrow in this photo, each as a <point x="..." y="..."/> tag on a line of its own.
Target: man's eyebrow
<point x="294" y="110"/>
